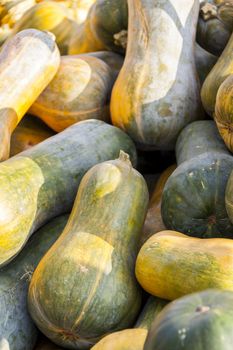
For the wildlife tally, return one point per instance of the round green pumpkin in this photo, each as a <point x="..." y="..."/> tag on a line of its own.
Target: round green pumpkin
<point x="200" y="321"/>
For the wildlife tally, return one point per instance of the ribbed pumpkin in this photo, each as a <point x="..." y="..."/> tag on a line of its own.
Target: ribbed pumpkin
<point x="105" y="28"/>
<point x="41" y="183"/>
<point x="171" y="264"/>
<point x="212" y="33"/>
<point x="80" y="90"/>
<point x="93" y="290"/>
<point x="28" y="62"/>
<point x="16" y="327"/>
<point x="198" y="321"/>
<point x="222" y="69"/>
<point x="154" y="222"/>
<point x="133" y="338"/>
<point x="193" y="200"/>
<point x="158" y="82"/>
<point x="28" y="133"/>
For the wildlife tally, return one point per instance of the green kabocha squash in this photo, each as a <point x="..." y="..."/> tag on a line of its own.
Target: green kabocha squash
<point x="28" y="62"/>
<point x="41" y="183"/>
<point x="221" y="70"/>
<point x="80" y="90"/>
<point x="225" y="13"/>
<point x="204" y="62"/>
<point x="133" y="338"/>
<point x="198" y="321"/>
<point x="48" y="16"/>
<point x="193" y="200"/>
<point x="104" y="29"/>
<point x="17" y="330"/>
<point x="171" y="264"/>
<point x="85" y="286"/>
<point x="212" y="33"/>
<point x="224" y="111"/>
<point x="28" y="133"/>
<point x="158" y="82"/>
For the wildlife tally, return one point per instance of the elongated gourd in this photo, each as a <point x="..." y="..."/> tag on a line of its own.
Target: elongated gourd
<point x="89" y="273"/>
<point x="224" y="111"/>
<point x="41" y="183"/>
<point x="133" y="338"/>
<point x="198" y="321"/>
<point x="222" y="69"/>
<point x="28" y="133"/>
<point x="204" y="62"/>
<point x="80" y="90"/>
<point x="49" y="16"/>
<point x="28" y="62"/>
<point x="193" y="200"/>
<point x="171" y="264"/>
<point x="154" y="222"/>
<point x="158" y="82"/>
<point x="16" y="327"/>
<point x="212" y="33"/>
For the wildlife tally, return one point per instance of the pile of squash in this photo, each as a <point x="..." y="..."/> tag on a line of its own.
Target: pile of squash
<point x="116" y="174"/>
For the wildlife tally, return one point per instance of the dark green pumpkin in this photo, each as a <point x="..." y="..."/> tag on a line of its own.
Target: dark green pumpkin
<point x="41" y="183"/>
<point x="204" y="62"/>
<point x="85" y="285"/>
<point x="193" y="200"/>
<point x="200" y="321"/>
<point x="16" y="326"/>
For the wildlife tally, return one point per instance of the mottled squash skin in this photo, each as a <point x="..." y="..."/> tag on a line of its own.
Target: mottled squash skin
<point x="16" y="326"/>
<point x="152" y="96"/>
<point x="198" y="321"/>
<point x="154" y="222"/>
<point x="80" y="90"/>
<point x="164" y="260"/>
<point x="105" y="28"/>
<point x="222" y="69"/>
<point x="193" y="200"/>
<point x="41" y="183"/>
<point x="28" y="62"/>
<point x="93" y="290"/>
<point x="28" y="133"/>
<point x="49" y="16"/>
<point x="212" y="33"/>
<point x="204" y="62"/>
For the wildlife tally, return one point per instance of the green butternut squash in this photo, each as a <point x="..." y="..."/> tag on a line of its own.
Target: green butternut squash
<point x="16" y="327"/>
<point x="80" y="90"/>
<point x="204" y="62"/>
<point x="193" y="200"/>
<point x="28" y="133"/>
<point x="229" y="197"/>
<point x="28" y="62"/>
<point x="198" y="321"/>
<point x="171" y="264"/>
<point x="85" y="286"/>
<point x="41" y="183"/>
<point x="212" y="33"/>
<point x="48" y="16"/>
<point x="158" y="82"/>
<point x="133" y="338"/>
<point x="222" y="69"/>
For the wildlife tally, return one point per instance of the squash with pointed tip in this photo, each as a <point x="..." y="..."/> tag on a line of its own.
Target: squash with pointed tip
<point x="16" y="326"/>
<point x="158" y="82"/>
<point x="163" y="262"/>
<point x="28" y="133"/>
<point x="193" y="200"/>
<point x="41" y="182"/>
<point x="95" y="258"/>
<point x="28" y="62"/>
<point x="133" y="338"/>
<point x="198" y="321"/>
<point x="80" y="90"/>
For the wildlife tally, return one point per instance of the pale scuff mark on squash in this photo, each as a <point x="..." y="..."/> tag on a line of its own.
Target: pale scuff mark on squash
<point x="108" y="179"/>
<point x="183" y="9"/>
<point x="4" y="344"/>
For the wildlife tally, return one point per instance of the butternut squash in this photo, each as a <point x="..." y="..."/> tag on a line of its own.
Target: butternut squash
<point x="171" y="264"/>
<point x="158" y="82"/>
<point x="28" y="62"/>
